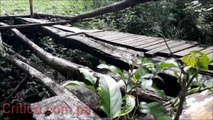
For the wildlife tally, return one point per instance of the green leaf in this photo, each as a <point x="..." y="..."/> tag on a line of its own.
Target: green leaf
<point x="197" y="59"/>
<point x="77" y="83"/>
<point x="110" y="95"/>
<point x="165" y="65"/>
<point x="153" y="108"/>
<point x="88" y="75"/>
<point x="129" y="104"/>
<point x="139" y="73"/>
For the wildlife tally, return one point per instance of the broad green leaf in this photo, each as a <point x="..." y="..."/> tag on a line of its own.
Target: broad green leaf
<point x="88" y="75"/>
<point x="110" y="95"/>
<point x="77" y="83"/>
<point x="165" y="65"/>
<point x="197" y="59"/>
<point x="153" y="108"/>
<point x="129" y="104"/>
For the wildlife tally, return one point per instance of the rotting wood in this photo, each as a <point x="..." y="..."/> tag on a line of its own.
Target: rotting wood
<point x="108" y="9"/>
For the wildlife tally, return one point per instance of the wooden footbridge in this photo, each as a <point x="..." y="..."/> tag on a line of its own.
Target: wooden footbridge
<point x="141" y="45"/>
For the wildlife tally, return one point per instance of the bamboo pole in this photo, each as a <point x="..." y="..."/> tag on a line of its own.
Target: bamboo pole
<point x="31" y="8"/>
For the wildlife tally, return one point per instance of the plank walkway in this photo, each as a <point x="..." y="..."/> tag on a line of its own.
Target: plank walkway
<point x="150" y="46"/>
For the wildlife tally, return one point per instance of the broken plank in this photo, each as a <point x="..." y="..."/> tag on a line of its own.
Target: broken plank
<point x="130" y="40"/>
<point x="187" y="51"/>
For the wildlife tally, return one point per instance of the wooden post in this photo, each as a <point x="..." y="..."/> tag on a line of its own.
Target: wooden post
<point x="31" y="8"/>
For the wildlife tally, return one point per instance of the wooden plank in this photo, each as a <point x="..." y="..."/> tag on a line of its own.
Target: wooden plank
<point x="208" y="50"/>
<point x="114" y="37"/>
<point x="132" y="39"/>
<point x="100" y="34"/>
<point x="159" y="49"/>
<point x="144" y="41"/>
<point x="124" y="38"/>
<point x="159" y="45"/>
<point x="178" y="48"/>
<point x="187" y="51"/>
<point x="147" y="44"/>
